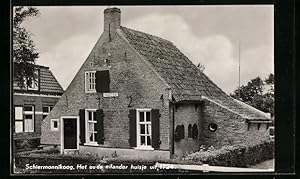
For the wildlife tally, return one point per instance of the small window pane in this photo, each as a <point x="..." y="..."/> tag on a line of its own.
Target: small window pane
<point x="28" y="116"/>
<point x="51" y="107"/>
<point x="18" y="126"/>
<point x="18" y="113"/>
<point x="91" y="137"/>
<point x="90" y="116"/>
<point x="148" y="128"/>
<point x="55" y="124"/>
<point x="142" y="140"/>
<point x="46" y="109"/>
<point x="147" y="116"/>
<point x="28" y="125"/>
<point x="91" y="127"/>
<point x="141" y="116"/>
<point x="148" y="140"/>
<point x="44" y="116"/>
<point x="95" y="126"/>
<point x="28" y="108"/>
<point x="142" y="129"/>
<point x="94" y="114"/>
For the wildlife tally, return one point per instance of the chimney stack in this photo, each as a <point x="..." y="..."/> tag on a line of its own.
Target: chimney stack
<point x="112" y="18"/>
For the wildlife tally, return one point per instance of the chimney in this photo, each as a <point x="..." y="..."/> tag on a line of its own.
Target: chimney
<point x="112" y="18"/>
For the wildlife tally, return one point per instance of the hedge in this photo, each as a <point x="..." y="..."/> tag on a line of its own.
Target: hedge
<point x="26" y="144"/>
<point x="234" y="156"/>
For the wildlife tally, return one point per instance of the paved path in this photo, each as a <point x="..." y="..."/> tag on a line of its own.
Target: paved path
<point x="269" y="164"/>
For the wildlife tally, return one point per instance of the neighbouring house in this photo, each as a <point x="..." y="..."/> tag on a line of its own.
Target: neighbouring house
<point x="31" y="104"/>
<point x="138" y="96"/>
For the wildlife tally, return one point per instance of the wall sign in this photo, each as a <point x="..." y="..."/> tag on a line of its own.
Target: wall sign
<point x="110" y="95"/>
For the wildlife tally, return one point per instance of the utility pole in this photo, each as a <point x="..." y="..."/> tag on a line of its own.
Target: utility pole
<point x="239" y="70"/>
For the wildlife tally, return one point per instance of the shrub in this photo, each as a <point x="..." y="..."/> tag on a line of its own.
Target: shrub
<point x="234" y="156"/>
<point x="26" y="144"/>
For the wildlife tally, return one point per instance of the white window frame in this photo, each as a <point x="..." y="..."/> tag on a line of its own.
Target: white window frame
<point x="87" y="121"/>
<point x="34" y="82"/>
<point x="49" y="110"/>
<point x="52" y="125"/>
<point x="138" y="132"/>
<point x="32" y="113"/>
<point x="19" y="119"/>
<point x="87" y="83"/>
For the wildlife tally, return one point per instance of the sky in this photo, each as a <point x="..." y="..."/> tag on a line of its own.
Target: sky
<point x="65" y="35"/>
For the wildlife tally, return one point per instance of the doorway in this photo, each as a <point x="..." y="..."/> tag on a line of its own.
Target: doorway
<point x="69" y="133"/>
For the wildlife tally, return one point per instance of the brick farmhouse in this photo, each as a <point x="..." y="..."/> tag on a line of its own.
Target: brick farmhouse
<point x="138" y="96"/>
<point x="33" y="103"/>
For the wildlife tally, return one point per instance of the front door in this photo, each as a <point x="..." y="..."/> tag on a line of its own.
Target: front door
<point x="70" y="133"/>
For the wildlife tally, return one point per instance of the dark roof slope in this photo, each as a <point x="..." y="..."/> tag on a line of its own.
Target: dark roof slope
<point x="187" y="82"/>
<point x="48" y="82"/>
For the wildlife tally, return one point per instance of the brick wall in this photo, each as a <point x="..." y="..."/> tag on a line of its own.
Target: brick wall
<point x="38" y="103"/>
<point x="129" y="76"/>
<point x="232" y="128"/>
<point x="187" y="114"/>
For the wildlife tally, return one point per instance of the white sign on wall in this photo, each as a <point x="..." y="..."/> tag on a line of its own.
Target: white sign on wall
<point x="110" y="95"/>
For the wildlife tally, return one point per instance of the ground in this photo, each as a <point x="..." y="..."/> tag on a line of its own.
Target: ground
<point x="269" y="164"/>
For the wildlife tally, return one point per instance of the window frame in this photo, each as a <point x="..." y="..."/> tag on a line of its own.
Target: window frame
<point x="87" y="82"/>
<point x="19" y="120"/>
<point x="87" y="139"/>
<point x="52" y="125"/>
<point x="138" y="128"/>
<point x="34" y="82"/>
<point x="49" y="110"/>
<point x="32" y="113"/>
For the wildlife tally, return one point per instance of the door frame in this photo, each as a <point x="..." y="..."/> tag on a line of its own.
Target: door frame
<point x="62" y="118"/>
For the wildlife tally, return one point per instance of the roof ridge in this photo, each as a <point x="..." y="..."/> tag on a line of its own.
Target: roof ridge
<point x="147" y="34"/>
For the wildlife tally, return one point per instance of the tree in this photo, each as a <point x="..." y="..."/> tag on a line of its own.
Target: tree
<point x="24" y="52"/>
<point x="255" y="93"/>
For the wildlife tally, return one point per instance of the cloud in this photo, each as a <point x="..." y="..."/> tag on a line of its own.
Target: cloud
<point x="67" y="57"/>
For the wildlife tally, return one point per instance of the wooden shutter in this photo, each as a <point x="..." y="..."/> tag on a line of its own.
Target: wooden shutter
<point x="82" y="125"/>
<point x="100" y="126"/>
<point x="102" y="81"/>
<point x="132" y="127"/>
<point x="155" y="128"/>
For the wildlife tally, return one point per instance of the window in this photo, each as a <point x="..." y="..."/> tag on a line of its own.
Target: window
<point x="271" y="132"/>
<point x="179" y="133"/>
<point x="91" y="126"/>
<point x="18" y="119"/>
<point x="195" y="131"/>
<point x="212" y="127"/>
<point x="46" y="111"/>
<point x="144" y="128"/>
<point x="35" y="81"/>
<point x="90" y="81"/>
<point x="190" y="131"/>
<point x="28" y="118"/>
<point x="54" y="125"/>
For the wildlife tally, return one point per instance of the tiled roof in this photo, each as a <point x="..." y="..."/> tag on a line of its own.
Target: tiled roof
<point x="48" y="82"/>
<point x="187" y="82"/>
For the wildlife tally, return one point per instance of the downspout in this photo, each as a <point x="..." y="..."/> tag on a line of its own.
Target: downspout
<point x="172" y="114"/>
<point x="173" y="128"/>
